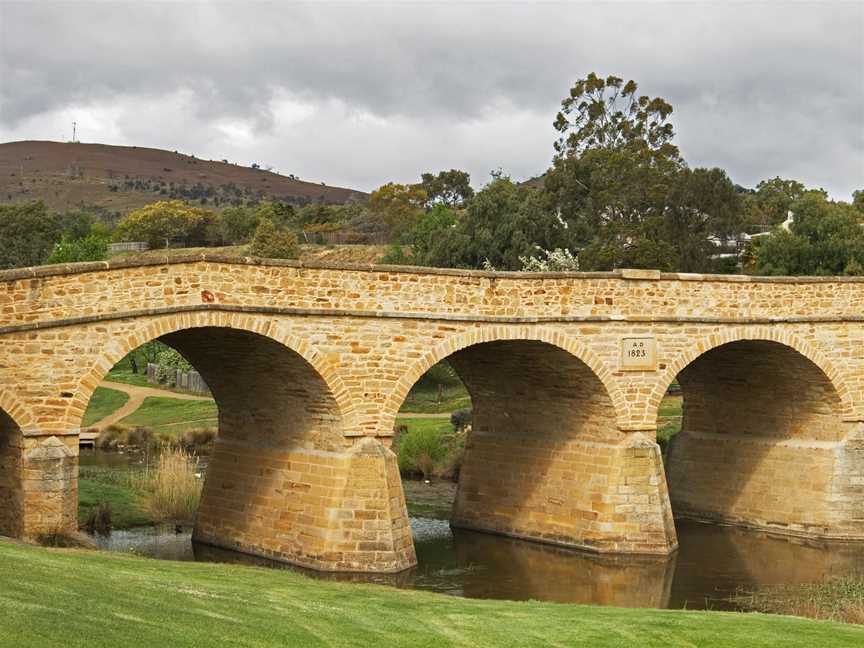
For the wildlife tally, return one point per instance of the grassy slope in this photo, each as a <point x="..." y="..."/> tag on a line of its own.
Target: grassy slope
<point x="172" y="415"/>
<point x="424" y="395"/>
<point x="74" y="598"/>
<point x="122" y="373"/>
<point x="103" y="402"/>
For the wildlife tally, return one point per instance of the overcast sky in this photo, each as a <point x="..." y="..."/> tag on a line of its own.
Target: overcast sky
<point x="359" y="94"/>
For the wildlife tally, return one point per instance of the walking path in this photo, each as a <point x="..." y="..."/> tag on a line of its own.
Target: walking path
<point x="136" y="398"/>
<point x="137" y="394"/>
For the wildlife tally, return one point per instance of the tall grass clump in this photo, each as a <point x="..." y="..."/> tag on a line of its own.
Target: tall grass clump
<point x="838" y="600"/>
<point x="429" y="448"/>
<point x="172" y="490"/>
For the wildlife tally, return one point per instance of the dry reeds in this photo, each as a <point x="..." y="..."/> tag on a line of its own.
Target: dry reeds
<point x="172" y="490"/>
<point x="838" y="600"/>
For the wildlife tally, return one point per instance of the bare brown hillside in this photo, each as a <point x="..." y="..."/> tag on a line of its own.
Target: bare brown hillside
<point x="120" y="178"/>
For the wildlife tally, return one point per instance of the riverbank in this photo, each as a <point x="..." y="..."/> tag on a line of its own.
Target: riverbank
<point x="114" y="599"/>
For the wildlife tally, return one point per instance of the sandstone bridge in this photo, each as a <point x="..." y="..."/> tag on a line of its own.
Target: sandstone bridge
<point x="310" y="364"/>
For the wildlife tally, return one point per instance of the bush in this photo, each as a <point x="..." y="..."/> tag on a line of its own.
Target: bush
<point x="143" y="438"/>
<point x="460" y="419"/>
<point x="273" y="242"/>
<point x="110" y="438"/>
<point x="420" y="450"/>
<point x="115" y="436"/>
<point x="90" y="248"/>
<point x="99" y="519"/>
<point x="196" y="439"/>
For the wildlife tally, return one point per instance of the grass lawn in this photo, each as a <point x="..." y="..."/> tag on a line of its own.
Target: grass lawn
<point x="69" y="598"/>
<point x="438" y="391"/>
<point x="103" y="402"/>
<point x="126" y="509"/>
<point x="440" y="425"/>
<point x="172" y="415"/>
<point x="122" y="373"/>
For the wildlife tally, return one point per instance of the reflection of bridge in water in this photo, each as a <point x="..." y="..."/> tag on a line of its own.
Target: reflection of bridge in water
<point x="309" y="366"/>
<point x="712" y="564"/>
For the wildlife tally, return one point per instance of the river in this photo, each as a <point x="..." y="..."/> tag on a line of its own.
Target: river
<point x="712" y="563"/>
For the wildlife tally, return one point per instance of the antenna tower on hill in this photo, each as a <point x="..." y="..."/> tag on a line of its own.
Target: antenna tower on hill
<point x="74" y="132"/>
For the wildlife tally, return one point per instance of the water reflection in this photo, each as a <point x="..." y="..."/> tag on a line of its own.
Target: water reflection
<point x="712" y="563"/>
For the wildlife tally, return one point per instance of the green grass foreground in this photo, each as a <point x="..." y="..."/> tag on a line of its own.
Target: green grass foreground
<point x="84" y="598"/>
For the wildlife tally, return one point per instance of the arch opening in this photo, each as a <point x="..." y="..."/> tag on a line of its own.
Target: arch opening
<point x="11" y="495"/>
<point x="267" y="487"/>
<point x="760" y="429"/>
<point x="544" y="457"/>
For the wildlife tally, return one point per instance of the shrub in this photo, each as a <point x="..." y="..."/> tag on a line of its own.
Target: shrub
<point x="143" y="438"/>
<point x="420" y="449"/>
<point x="89" y="248"/>
<point x="460" y="419"/>
<point x="273" y="242"/>
<point x="196" y="439"/>
<point x="172" y="490"/>
<point x="110" y="438"/>
<point x="449" y="467"/>
<point x="99" y="519"/>
<point x="114" y="436"/>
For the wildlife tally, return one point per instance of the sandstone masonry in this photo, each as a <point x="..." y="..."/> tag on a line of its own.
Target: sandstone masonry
<point x="310" y="364"/>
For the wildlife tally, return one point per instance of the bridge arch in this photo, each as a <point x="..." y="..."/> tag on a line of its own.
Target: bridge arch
<point x="761" y="429"/>
<point x="119" y="346"/>
<point x="544" y="456"/>
<point x="11" y="458"/>
<point x="485" y="334"/>
<point x="16" y="411"/>
<point x="832" y="372"/>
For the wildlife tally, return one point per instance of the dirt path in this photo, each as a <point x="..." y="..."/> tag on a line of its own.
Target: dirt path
<point x="136" y="398"/>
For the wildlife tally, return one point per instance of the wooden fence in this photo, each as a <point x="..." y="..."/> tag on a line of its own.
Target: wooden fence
<point x="190" y="381"/>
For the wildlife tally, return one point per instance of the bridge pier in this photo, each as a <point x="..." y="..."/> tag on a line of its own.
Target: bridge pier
<point x="330" y="511"/>
<point x="38" y="482"/>
<point x="608" y="498"/>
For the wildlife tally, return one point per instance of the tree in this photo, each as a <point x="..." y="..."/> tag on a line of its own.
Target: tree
<point x="502" y="223"/>
<point x="451" y="188"/>
<point x="238" y="224"/>
<point x="608" y="114"/>
<point x="397" y="206"/>
<point x="93" y="247"/>
<point x="772" y="200"/>
<point x="27" y="234"/>
<point x="826" y="238"/>
<point x="428" y="228"/>
<point x="858" y="199"/>
<point x="273" y="242"/>
<point x="160" y="222"/>
<point x="280" y="213"/>
<point x="703" y="210"/>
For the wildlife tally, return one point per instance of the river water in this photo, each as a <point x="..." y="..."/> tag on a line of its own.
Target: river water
<point x="712" y="563"/>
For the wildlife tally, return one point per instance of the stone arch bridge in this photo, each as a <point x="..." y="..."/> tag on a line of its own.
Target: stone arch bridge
<point x="310" y="364"/>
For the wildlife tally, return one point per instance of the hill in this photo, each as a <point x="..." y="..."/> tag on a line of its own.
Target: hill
<point x="116" y="179"/>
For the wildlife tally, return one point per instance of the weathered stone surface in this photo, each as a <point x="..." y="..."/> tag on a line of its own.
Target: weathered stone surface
<point x="309" y="366"/>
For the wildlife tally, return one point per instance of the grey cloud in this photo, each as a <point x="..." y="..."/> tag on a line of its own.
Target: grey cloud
<point x="757" y="88"/>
